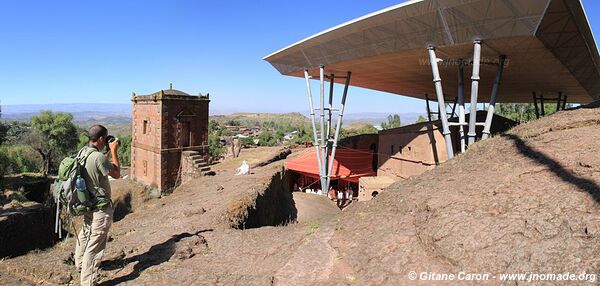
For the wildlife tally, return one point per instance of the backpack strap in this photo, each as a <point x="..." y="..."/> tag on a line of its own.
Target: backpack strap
<point x="81" y="158"/>
<point x="83" y="154"/>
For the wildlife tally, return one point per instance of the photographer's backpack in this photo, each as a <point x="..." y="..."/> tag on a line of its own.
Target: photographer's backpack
<point x="70" y="190"/>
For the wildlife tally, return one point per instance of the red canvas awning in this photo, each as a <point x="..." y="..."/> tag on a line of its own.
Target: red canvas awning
<point x="349" y="164"/>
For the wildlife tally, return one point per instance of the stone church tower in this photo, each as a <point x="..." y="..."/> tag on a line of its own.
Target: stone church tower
<point x="166" y="125"/>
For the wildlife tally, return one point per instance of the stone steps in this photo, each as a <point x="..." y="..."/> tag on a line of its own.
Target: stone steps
<point x="198" y="161"/>
<point x="203" y="169"/>
<point x="196" y="157"/>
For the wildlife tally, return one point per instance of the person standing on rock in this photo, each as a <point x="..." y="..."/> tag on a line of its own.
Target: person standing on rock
<point x="93" y="236"/>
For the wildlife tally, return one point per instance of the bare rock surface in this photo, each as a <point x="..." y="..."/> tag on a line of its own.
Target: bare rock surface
<point x="525" y="201"/>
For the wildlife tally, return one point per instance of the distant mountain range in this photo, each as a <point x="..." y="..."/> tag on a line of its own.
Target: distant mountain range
<point x="115" y="113"/>
<point x="110" y="113"/>
<point x="375" y="118"/>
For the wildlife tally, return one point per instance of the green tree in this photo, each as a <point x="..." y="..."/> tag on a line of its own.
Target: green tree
<point x="3" y="157"/>
<point x="267" y="138"/>
<point x="20" y="159"/>
<point x="523" y="112"/>
<point x="213" y="125"/>
<point x="83" y="140"/>
<point x="125" y="150"/>
<point x="233" y="122"/>
<point x="215" y="148"/>
<point x="365" y="129"/>
<point x="16" y="131"/>
<point x="52" y="134"/>
<point x="305" y="134"/>
<point x="393" y="121"/>
<point x="3" y="132"/>
<point x="421" y="119"/>
<point x="247" y="141"/>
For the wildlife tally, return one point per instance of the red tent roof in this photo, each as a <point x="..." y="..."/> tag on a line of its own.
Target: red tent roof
<point x="349" y="164"/>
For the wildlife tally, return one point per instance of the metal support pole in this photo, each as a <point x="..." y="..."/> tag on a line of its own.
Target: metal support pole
<point x="564" y="102"/>
<point x="474" y="90"/>
<point x="492" y="105"/>
<point x="453" y="113"/>
<point x="328" y="132"/>
<point x="461" y="105"/>
<point x="542" y="104"/>
<point x="323" y="139"/>
<point x="312" y="120"/>
<point x="337" y="129"/>
<point x="330" y="106"/>
<point x="558" y="101"/>
<point x="440" y="97"/>
<point x="535" y="105"/>
<point x="428" y="108"/>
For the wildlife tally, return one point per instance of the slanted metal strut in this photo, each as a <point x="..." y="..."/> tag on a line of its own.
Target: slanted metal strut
<point x="323" y="139"/>
<point x="492" y="105"/>
<point x="337" y="128"/>
<point x="440" y="97"/>
<point x="314" y="126"/>
<point x="324" y="152"/>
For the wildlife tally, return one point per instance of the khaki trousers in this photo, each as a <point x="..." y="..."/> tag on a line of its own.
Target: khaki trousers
<point x="91" y="243"/>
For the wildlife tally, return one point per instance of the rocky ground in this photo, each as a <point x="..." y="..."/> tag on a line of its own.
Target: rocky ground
<point x="525" y="201"/>
<point x="188" y="235"/>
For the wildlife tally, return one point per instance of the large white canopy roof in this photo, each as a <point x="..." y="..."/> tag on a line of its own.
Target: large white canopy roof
<point x="548" y="43"/>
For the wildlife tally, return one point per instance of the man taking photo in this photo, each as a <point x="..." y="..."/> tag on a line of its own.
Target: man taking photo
<point x="92" y="238"/>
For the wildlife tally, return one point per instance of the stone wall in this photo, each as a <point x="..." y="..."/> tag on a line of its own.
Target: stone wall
<point x="177" y="113"/>
<point x="145" y="149"/>
<point x="413" y="149"/>
<point x="410" y="150"/>
<point x="193" y="111"/>
<point x="159" y="126"/>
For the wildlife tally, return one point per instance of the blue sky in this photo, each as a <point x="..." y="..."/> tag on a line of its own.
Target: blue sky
<point x="101" y="51"/>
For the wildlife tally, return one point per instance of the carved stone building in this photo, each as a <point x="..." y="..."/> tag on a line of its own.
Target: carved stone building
<point x="167" y="125"/>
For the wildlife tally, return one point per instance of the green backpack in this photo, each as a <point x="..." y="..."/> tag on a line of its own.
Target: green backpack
<point x="66" y="194"/>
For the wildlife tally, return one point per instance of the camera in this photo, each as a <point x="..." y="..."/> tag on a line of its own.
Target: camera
<point x="109" y="139"/>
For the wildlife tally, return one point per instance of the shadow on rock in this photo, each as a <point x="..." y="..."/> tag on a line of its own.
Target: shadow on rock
<point x="156" y="255"/>
<point x="582" y="184"/>
<point x="122" y="207"/>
